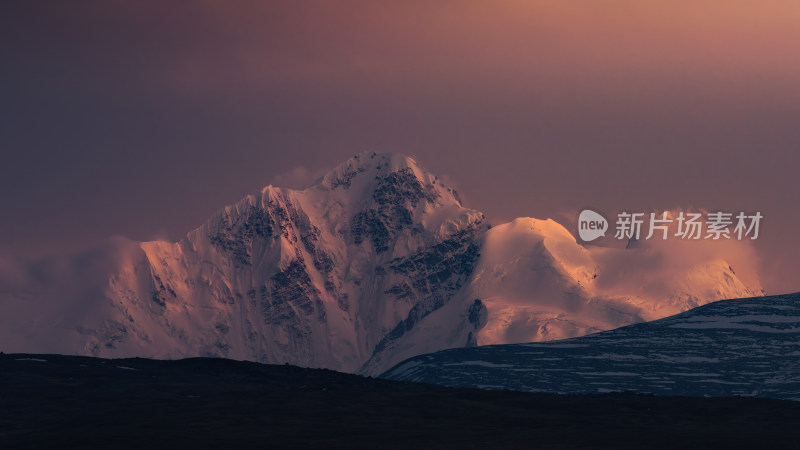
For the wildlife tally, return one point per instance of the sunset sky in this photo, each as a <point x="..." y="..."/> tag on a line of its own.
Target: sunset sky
<point x="141" y="119"/>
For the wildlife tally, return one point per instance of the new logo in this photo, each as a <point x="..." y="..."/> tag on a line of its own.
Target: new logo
<point x="591" y="225"/>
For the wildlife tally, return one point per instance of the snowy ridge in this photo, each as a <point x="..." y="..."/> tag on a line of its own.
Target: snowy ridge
<point x="377" y="262"/>
<point x="742" y="347"/>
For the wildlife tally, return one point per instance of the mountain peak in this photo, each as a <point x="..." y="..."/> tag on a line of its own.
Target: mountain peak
<point x="369" y="165"/>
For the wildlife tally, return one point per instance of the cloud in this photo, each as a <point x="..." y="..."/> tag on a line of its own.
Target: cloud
<point x="652" y="265"/>
<point x="299" y="177"/>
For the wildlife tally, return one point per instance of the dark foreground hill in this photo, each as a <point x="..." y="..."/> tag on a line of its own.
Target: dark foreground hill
<point x="51" y="401"/>
<point x="741" y="347"/>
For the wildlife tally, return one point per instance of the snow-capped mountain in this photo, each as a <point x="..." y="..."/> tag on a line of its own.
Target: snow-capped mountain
<point x="534" y="282"/>
<point x="743" y="347"/>
<point x="377" y="262"/>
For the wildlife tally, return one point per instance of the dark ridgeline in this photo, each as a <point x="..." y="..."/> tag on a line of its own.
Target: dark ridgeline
<point x="51" y="401"/>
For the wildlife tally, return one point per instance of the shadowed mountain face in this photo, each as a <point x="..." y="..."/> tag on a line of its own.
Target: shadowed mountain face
<point x="55" y="401"/>
<point x="746" y="347"/>
<point x="377" y="262"/>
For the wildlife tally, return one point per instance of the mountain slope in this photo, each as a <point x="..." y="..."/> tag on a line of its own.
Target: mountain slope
<point x="534" y="282"/>
<point x="376" y="262"/>
<point x="733" y="347"/>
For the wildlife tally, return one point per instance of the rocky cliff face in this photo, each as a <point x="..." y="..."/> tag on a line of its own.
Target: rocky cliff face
<point x="377" y="262"/>
<point x="331" y="276"/>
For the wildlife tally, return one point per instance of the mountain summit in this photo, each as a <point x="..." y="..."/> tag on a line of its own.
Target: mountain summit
<point x="377" y="262"/>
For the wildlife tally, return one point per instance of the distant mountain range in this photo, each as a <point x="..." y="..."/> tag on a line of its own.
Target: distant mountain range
<point x="743" y="347"/>
<point x="377" y="262"/>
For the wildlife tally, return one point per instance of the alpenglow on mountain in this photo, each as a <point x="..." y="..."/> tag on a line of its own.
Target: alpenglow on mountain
<point x="377" y="262"/>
